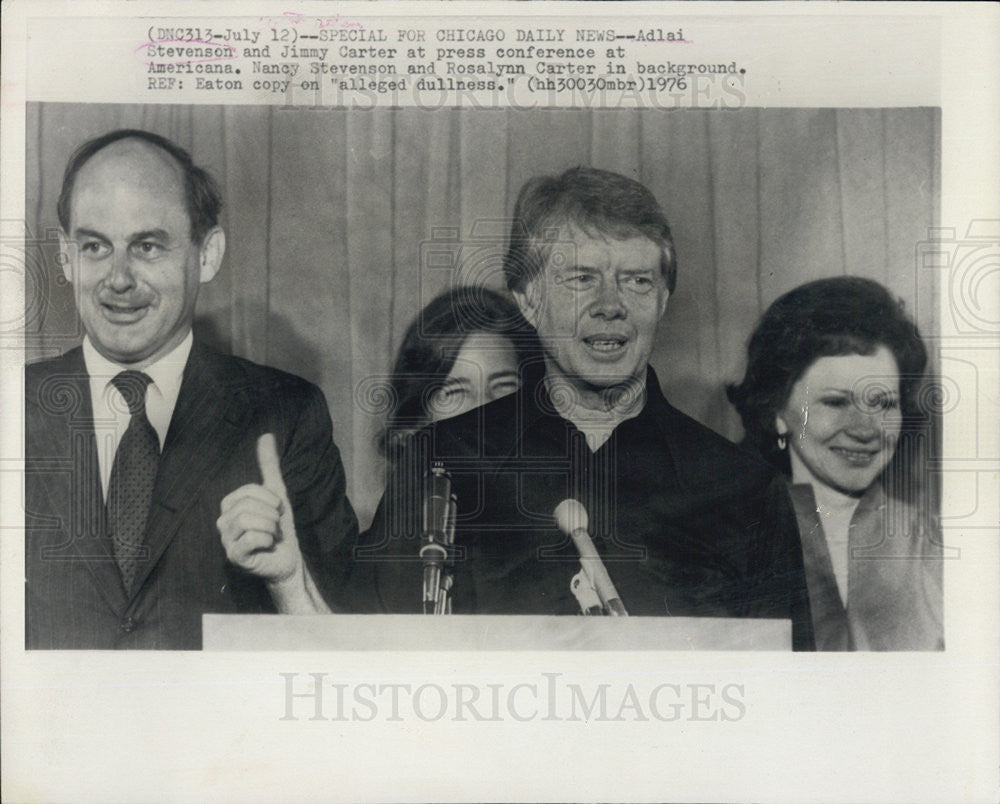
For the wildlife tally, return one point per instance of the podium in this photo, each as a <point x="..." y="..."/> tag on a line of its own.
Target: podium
<point x="476" y="632"/>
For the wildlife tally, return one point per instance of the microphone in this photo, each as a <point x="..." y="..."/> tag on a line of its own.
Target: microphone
<point x="438" y="515"/>
<point x="572" y="519"/>
<point x="583" y="591"/>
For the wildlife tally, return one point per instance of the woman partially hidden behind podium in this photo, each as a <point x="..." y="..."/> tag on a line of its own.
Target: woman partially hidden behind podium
<point x="829" y="397"/>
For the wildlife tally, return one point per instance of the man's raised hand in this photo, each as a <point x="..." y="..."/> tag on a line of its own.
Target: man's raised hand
<point x="257" y="526"/>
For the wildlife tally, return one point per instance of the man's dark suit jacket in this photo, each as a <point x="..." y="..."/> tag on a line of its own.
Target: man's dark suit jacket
<point x="687" y="523"/>
<point x="74" y="594"/>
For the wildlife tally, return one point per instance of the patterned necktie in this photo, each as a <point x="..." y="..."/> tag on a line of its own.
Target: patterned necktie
<point x="130" y="490"/>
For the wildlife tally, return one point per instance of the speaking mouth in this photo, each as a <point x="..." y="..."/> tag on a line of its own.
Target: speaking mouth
<point x="606" y="344"/>
<point x="124" y="311"/>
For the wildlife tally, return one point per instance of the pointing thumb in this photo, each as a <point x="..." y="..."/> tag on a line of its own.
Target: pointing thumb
<point x="270" y="472"/>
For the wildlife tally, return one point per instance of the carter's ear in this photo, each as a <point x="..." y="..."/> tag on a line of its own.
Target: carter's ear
<point x="530" y="301"/>
<point x="663" y="302"/>
<point x="213" y="248"/>
<point x="780" y="426"/>
<point x="66" y="255"/>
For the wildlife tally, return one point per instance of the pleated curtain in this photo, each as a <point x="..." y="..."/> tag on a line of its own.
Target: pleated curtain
<point x="341" y="224"/>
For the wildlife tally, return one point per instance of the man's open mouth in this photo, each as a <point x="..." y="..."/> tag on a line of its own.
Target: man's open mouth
<point x="608" y="344"/>
<point x="116" y="311"/>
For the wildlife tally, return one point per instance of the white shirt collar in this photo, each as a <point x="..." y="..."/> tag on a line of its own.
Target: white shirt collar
<point x="161" y="396"/>
<point x="166" y="372"/>
<point x="111" y="416"/>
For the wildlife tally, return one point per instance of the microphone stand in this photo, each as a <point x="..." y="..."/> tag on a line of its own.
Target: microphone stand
<point x="592" y="586"/>
<point x="438" y="540"/>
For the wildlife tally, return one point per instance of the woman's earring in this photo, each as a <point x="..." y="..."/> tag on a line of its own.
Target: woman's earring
<point x="782" y="441"/>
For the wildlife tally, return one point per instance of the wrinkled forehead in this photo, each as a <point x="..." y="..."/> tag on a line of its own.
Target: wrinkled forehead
<point x="576" y="225"/>
<point x="573" y="244"/>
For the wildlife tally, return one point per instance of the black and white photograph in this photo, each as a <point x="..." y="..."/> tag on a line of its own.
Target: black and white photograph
<point x="368" y="407"/>
<point x="565" y="259"/>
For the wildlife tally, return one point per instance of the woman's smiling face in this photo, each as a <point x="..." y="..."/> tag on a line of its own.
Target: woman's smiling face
<point x="485" y="369"/>
<point x="842" y="420"/>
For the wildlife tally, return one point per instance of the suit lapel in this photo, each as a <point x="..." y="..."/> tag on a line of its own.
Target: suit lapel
<point x="866" y="582"/>
<point x="204" y="430"/>
<point x="830" y="620"/>
<point x="70" y="436"/>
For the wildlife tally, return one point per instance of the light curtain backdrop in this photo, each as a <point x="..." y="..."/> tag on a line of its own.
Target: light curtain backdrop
<point x="341" y="224"/>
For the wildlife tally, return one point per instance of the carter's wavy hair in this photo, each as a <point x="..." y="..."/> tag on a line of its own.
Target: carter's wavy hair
<point x="596" y="201"/>
<point x="829" y="317"/>
<point x="431" y="345"/>
<point x="201" y="193"/>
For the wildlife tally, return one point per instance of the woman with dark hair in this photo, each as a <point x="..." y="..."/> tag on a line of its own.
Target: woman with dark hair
<point x="462" y="350"/>
<point x="833" y="373"/>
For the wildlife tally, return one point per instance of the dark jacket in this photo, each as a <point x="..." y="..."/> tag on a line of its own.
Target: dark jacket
<point x="74" y="594"/>
<point x="687" y="523"/>
<point x="894" y="566"/>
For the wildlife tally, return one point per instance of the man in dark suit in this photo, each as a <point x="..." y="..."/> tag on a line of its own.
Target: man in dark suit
<point x="685" y="522"/>
<point x="134" y="438"/>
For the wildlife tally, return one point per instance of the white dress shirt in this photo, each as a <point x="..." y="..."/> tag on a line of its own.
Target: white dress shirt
<point x="111" y="416"/>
